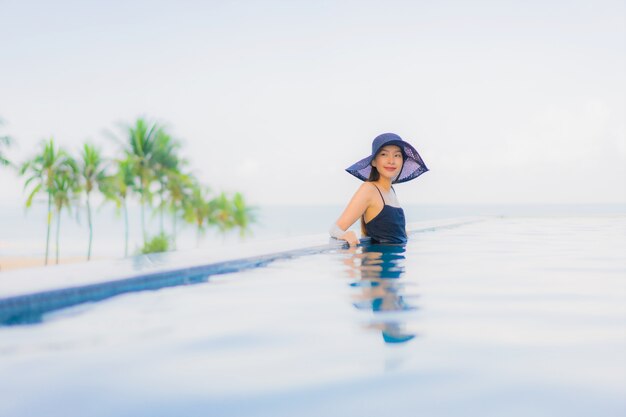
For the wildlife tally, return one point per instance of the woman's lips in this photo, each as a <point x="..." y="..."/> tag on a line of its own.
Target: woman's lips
<point x="390" y="168"/>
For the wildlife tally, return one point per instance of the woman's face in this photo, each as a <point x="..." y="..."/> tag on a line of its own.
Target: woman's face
<point x="388" y="161"/>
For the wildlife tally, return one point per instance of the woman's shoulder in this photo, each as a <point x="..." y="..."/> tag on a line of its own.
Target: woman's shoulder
<point x="366" y="188"/>
<point x="366" y="192"/>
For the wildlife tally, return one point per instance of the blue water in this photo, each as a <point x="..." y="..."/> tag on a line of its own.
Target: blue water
<point x="520" y="316"/>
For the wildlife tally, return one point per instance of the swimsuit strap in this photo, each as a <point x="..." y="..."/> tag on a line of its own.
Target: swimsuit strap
<point x="381" y="194"/>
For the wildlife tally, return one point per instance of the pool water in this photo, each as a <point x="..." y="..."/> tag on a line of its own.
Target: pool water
<point x="504" y="317"/>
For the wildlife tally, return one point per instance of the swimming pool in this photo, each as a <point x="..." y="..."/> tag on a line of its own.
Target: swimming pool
<point x="509" y="316"/>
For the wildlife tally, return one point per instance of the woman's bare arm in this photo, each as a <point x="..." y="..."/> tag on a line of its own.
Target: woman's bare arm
<point x="355" y="209"/>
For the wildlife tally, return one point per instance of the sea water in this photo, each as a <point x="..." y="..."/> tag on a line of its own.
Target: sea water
<point x="23" y="232"/>
<point x="517" y="316"/>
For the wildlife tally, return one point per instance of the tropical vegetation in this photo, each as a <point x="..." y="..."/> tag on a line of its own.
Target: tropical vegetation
<point x="117" y="188"/>
<point x="52" y="172"/>
<point x="150" y="169"/>
<point x="159" y="243"/>
<point x="92" y="174"/>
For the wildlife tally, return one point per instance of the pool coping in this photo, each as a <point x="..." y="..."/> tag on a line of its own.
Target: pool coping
<point x="25" y="295"/>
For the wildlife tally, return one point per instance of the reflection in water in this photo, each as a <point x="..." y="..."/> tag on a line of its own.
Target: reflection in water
<point x="376" y="272"/>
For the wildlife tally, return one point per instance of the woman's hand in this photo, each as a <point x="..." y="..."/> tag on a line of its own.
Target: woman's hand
<point x="351" y="238"/>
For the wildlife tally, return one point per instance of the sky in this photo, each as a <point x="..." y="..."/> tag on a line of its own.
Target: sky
<point x="506" y="101"/>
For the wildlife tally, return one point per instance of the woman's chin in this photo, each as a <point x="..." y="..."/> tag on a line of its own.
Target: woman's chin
<point x="389" y="177"/>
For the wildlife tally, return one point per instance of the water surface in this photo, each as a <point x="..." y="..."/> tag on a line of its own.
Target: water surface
<point x="505" y="317"/>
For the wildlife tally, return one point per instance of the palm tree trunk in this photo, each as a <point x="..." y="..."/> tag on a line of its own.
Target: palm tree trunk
<point x="90" y="227"/>
<point x="125" y="228"/>
<point x="48" y="227"/>
<point x="58" y="230"/>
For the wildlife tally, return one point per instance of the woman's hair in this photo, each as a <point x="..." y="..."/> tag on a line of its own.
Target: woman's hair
<point x="374" y="175"/>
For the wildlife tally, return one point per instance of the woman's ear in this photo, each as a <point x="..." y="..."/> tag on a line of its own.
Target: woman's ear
<point x="373" y="163"/>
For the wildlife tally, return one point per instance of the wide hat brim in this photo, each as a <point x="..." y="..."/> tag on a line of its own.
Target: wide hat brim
<point x="412" y="168"/>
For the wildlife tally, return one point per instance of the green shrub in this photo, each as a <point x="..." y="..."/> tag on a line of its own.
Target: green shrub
<point x="159" y="243"/>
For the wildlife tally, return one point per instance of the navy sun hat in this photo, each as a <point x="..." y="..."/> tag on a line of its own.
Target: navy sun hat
<point x="412" y="167"/>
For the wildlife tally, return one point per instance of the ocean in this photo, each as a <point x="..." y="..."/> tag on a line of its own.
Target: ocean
<point x="23" y="231"/>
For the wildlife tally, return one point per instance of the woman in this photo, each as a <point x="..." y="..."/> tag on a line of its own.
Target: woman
<point x="382" y="219"/>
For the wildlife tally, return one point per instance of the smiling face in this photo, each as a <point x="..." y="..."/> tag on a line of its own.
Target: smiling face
<point x="388" y="161"/>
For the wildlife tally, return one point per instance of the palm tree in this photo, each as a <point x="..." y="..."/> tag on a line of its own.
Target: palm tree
<point x="198" y="210"/>
<point x="140" y="150"/>
<point x="179" y="188"/>
<point x="243" y="215"/>
<point x="117" y="187"/>
<point x="92" y="174"/>
<point x="65" y="190"/>
<point x="222" y="211"/>
<point x="5" y="141"/>
<point x="166" y="165"/>
<point x="42" y="171"/>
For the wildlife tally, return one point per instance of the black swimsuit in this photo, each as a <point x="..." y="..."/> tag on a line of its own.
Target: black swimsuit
<point x="388" y="226"/>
